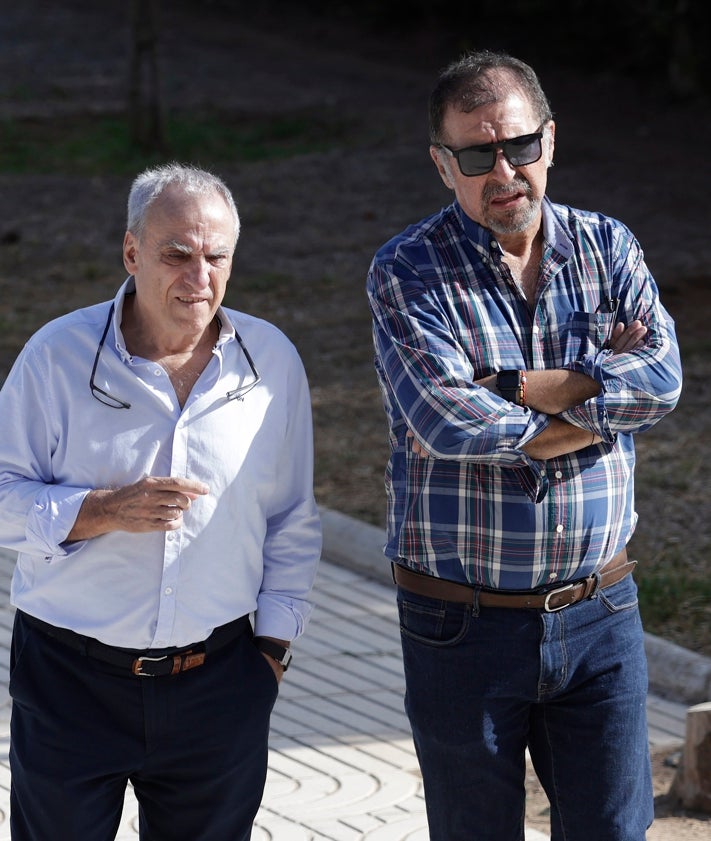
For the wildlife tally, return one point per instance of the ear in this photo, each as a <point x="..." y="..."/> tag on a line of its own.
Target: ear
<point x="438" y="157"/>
<point x="130" y="249"/>
<point x="550" y="145"/>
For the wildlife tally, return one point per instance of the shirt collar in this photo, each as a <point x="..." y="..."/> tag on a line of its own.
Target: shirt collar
<point x="128" y="287"/>
<point x="554" y="234"/>
<point x="480" y="236"/>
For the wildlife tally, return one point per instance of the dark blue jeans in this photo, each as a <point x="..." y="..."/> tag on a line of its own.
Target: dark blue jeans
<point x="194" y="745"/>
<point x="484" y="685"/>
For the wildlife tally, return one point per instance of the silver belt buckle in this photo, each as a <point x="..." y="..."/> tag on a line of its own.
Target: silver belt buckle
<point x="138" y="664"/>
<point x="546" y="604"/>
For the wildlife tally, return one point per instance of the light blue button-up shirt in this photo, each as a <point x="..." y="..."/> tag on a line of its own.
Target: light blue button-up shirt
<point x="249" y="546"/>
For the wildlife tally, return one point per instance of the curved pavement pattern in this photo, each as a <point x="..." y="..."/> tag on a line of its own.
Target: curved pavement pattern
<point x="341" y="764"/>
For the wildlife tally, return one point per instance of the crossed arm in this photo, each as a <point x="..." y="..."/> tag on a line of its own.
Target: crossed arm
<point x="553" y="391"/>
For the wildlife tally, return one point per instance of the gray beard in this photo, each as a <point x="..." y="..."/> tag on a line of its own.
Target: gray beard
<point x="516" y="221"/>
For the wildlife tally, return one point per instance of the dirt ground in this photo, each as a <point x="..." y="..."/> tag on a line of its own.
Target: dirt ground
<point x="311" y="225"/>
<point x="670" y="824"/>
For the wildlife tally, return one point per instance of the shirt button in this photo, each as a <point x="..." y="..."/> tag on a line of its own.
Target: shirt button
<point x="168" y="591"/>
<point x="536" y="328"/>
<point x="559" y="474"/>
<point x="157" y="372"/>
<point x="553" y="576"/>
<point x="559" y="528"/>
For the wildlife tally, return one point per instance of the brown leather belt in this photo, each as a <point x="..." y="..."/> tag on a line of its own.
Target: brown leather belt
<point x="550" y="600"/>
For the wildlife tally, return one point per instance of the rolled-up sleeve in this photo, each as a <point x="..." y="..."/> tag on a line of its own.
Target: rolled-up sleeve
<point x="432" y="379"/>
<point x="640" y="387"/>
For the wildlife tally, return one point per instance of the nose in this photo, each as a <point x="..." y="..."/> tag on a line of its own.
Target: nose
<point x="199" y="275"/>
<point x="503" y="170"/>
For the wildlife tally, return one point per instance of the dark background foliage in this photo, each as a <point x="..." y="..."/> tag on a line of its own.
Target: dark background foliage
<point x="666" y="41"/>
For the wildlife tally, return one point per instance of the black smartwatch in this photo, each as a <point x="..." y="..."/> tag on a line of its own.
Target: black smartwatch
<point x="511" y="385"/>
<point x="277" y="652"/>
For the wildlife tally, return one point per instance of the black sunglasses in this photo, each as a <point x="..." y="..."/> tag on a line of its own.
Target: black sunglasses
<point x="109" y="399"/>
<point x="518" y="151"/>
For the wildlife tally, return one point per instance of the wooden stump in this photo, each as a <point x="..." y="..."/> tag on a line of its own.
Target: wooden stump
<point x="691" y="786"/>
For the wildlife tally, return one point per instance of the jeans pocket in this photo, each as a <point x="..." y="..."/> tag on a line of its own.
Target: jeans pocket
<point x="431" y="621"/>
<point x="621" y="596"/>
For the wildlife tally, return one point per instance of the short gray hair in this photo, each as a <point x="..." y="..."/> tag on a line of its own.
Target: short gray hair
<point x="153" y="181"/>
<point x="480" y="78"/>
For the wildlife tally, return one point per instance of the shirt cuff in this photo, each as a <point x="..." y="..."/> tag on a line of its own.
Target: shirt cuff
<point x="51" y="518"/>
<point x="280" y="618"/>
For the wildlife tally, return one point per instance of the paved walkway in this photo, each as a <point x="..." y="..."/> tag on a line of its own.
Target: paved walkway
<point x="341" y="766"/>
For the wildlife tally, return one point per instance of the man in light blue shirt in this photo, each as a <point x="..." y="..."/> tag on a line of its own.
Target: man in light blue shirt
<point x="156" y="482"/>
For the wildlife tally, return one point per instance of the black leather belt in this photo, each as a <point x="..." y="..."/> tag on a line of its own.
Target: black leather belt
<point x="147" y="663"/>
<point x="549" y="600"/>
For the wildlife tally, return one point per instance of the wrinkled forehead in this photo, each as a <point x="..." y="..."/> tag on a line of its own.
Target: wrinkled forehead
<point x="509" y="117"/>
<point x="176" y="199"/>
<point x="183" y="210"/>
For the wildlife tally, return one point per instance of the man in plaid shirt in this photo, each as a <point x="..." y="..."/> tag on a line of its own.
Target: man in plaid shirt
<point x="520" y="345"/>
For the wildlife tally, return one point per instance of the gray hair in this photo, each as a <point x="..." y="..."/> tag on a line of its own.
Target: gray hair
<point x="479" y="78"/>
<point x="153" y="181"/>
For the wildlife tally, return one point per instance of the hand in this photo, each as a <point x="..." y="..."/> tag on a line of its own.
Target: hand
<point x="277" y="668"/>
<point x="624" y="339"/>
<point x="154" y="503"/>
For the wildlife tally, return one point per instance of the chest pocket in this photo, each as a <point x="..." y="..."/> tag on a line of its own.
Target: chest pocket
<point x="584" y="333"/>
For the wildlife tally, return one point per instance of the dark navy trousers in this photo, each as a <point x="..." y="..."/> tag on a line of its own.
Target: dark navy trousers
<point x="194" y="745"/>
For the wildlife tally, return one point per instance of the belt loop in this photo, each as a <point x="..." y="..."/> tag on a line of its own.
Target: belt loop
<point x="598" y="579"/>
<point x="475" y="602"/>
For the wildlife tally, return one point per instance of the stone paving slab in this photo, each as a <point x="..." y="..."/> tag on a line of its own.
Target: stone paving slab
<point x="342" y="766"/>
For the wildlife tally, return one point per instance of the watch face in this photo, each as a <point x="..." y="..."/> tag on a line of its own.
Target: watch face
<point x="508" y="379"/>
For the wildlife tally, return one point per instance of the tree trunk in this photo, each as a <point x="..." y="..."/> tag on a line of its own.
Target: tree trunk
<point x="145" y="109"/>
<point x="691" y="786"/>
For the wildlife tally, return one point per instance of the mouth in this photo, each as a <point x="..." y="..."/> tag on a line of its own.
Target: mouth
<point x="192" y="300"/>
<point x="508" y="199"/>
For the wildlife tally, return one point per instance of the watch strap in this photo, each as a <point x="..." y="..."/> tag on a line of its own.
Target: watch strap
<point x="511" y="385"/>
<point x="280" y="653"/>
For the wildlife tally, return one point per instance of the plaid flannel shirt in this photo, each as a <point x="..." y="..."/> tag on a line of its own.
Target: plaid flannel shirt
<point x="445" y="314"/>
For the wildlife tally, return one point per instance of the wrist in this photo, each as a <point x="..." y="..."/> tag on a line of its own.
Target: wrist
<point x="511" y="385"/>
<point x="95" y="516"/>
<point x="277" y="650"/>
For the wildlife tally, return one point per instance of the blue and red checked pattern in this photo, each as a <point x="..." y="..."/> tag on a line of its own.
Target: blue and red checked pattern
<point x="447" y="313"/>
